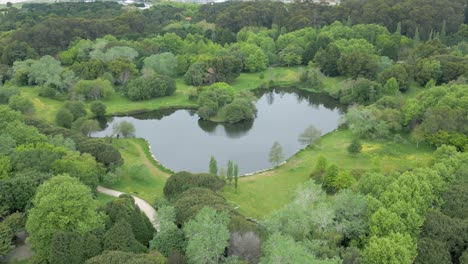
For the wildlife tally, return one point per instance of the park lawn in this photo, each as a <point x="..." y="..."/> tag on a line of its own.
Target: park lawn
<point x="261" y="194"/>
<point x="103" y="199"/>
<point x="149" y="180"/>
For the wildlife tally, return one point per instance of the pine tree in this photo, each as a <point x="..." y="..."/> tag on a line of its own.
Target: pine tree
<point x="230" y="172"/>
<point x="236" y="175"/>
<point x="66" y="247"/>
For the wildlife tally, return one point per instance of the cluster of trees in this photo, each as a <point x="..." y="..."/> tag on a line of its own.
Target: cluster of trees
<point x="219" y="100"/>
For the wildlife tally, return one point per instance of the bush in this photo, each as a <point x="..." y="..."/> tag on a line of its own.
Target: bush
<point x="240" y="109"/>
<point x="64" y="118"/>
<point x="182" y="181"/>
<point x="190" y="202"/>
<point x="6" y="93"/>
<point x="47" y="92"/>
<point x="18" y="103"/>
<point x="355" y="147"/>
<point x="94" y="89"/>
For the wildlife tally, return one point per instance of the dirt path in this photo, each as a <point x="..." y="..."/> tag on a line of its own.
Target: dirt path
<point x="145" y="207"/>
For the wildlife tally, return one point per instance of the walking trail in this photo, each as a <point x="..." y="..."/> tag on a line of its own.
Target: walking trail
<point x="145" y="207"/>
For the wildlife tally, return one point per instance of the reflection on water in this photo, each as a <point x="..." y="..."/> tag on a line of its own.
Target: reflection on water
<point x="182" y="141"/>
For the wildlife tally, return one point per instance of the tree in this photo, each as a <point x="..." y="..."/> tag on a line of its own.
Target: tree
<point x="393" y="249"/>
<point x="236" y="175"/>
<point x="98" y="109"/>
<point x="351" y="213"/>
<point x="327" y="60"/>
<point x="77" y="108"/>
<point x="320" y="168"/>
<point x="207" y="236"/>
<point x="391" y="87"/>
<point x="230" y="171"/>
<point x="61" y="204"/>
<point x="246" y="246"/>
<point x="355" y="147"/>
<point x="309" y="136"/>
<point x="6" y="237"/>
<point x="94" y="89"/>
<point x="124" y="128"/>
<point x="163" y="63"/>
<point x="21" y="104"/>
<point x="276" y="154"/>
<point x="213" y="166"/>
<point x="195" y="74"/>
<point x="182" y="181"/>
<point x="239" y="109"/>
<point x="66" y="247"/>
<point x="87" y="126"/>
<point x="119" y="257"/>
<point x="150" y="86"/>
<point x="120" y="237"/>
<point x="64" y="118"/>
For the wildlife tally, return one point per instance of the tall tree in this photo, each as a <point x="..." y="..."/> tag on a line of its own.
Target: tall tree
<point x="207" y="236"/>
<point x="276" y="154"/>
<point x="236" y="175"/>
<point x="309" y="136"/>
<point x="62" y="203"/>
<point x="230" y="172"/>
<point x="213" y="166"/>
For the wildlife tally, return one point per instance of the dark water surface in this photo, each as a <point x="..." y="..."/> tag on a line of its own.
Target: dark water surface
<point x="181" y="141"/>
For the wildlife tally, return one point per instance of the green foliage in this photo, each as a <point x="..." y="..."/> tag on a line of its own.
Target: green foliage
<point x="61" y="204"/>
<point x="309" y="136"/>
<point x="7" y="92"/>
<point x="213" y="166"/>
<point x="275" y="156"/>
<point x="213" y="98"/>
<point x="124" y="128"/>
<point x="327" y="60"/>
<point x="64" y="118"/>
<point x="163" y="63"/>
<point x="21" y="104"/>
<point x="392" y="249"/>
<point x="83" y="167"/>
<point x="207" y="236"/>
<point x="391" y="87"/>
<point x="150" y="86"/>
<point x="182" y="181"/>
<point x="98" y="109"/>
<point x="355" y="147"/>
<point x="195" y="74"/>
<point x="120" y="237"/>
<point x="361" y="91"/>
<point x="93" y="89"/>
<point x="38" y="157"/>
<point x="119" y="257"/>
<point x="66" y="247"/>
<point x="86" y="126"/>
<point x="6" y="236"/>
<point x="239" y="109"/>
<point x="169" y="239"/>
<point x="190" y="202"/>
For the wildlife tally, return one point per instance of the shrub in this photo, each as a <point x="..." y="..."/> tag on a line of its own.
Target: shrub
<point x="355" y="147"/>
<point x="150" y="86"/>
<point x="182" y="181"/>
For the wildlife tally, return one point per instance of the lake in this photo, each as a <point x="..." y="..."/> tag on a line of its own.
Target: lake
<point x="181" y="141"/>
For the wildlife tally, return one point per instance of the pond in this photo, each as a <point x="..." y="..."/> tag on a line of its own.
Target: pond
<point x="181" y="141"/>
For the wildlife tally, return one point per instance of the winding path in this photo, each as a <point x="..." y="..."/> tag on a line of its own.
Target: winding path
<point x="147" y="209"/>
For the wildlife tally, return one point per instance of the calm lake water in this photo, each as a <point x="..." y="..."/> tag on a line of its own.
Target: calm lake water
<point x="181" y="141"/>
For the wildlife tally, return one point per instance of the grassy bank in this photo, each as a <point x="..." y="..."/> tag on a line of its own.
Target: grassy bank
<point x="139" y="175"/>
<point x="263" y="193"/>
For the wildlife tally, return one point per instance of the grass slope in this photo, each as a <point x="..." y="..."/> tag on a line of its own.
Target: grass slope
<point x="263" y="193"/>
<point x="148" y="180"/>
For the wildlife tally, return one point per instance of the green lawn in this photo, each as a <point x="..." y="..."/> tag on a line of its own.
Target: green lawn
<point x="263" y="193"/>
<point x="103" y="199"/>
<point x="148" y="181"/>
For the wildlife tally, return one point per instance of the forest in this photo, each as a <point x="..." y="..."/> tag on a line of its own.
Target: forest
<point x="388" y="186"/>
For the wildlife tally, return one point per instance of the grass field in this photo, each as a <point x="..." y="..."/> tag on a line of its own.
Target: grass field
<point x="263" y="193"/>
<point x="147" y="180"/>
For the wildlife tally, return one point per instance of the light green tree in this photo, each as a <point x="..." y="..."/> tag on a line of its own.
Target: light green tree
<point x="62" y="203"/>
<point x="309" y="136"/>
<point x="124" y="128"/>
<point x="213" y="166"/>
<point x="207" y="236"/>
<point x="393" y="249"/>
<point x="391" y="87"/>
<point x="163" y="63"/>
<point x="276" y="154"/>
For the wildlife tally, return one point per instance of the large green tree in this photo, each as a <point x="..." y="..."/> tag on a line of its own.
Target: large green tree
<point x="207" y="236"/>
<point x="61" y="204"/>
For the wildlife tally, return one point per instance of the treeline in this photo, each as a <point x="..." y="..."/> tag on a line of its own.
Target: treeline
<point x="47" y="30"/>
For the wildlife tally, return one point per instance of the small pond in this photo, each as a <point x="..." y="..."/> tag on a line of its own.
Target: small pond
<point x="181" y="141"/>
